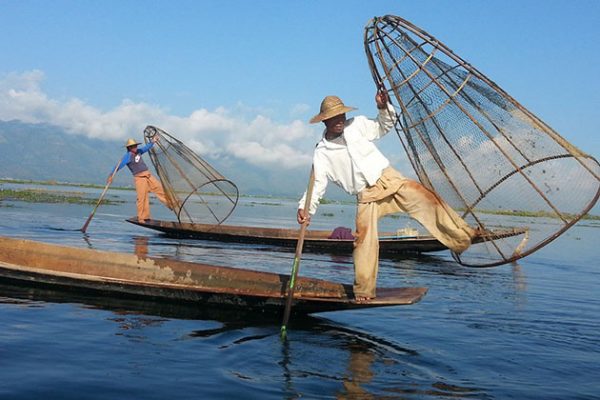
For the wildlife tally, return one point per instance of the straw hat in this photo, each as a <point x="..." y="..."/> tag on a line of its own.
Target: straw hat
<point x="131" y="142"/>
<point x="330" y="107"/>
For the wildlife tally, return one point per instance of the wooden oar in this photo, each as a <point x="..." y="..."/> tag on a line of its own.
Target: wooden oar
<point x="87" y="222"/>
<point x="296" y="265"/>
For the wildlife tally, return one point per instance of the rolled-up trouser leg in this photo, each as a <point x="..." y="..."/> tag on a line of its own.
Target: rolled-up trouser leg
<point x="394" y="193"/>
<point x="157" y="189"/>
<point x="432" y="212"/>
<point x="366" y="250"/>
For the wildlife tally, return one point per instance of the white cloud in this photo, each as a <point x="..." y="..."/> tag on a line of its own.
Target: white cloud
<point x="280" y="154"/>
<point x="221" y="132"/>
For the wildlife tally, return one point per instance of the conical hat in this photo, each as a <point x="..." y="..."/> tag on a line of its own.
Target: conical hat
<point x="131" y="142"/>
<point x="330" y="107"/>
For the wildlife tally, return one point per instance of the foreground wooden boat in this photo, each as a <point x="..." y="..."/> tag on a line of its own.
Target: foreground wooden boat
<point x="318" y="241"/>
<point x="159" y="279"/>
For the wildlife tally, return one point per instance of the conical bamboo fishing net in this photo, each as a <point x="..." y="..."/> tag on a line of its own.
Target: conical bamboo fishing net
<point x="489" y="157"/>
<point x="198" y="193"/>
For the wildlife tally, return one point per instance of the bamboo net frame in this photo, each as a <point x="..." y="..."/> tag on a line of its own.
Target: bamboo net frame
<point x="489" y="157"/>
<point x="198" y="193"/>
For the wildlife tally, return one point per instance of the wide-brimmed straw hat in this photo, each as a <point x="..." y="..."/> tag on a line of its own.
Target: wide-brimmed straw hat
<point x="131" y="142"/>
<point x="330" y="107"/>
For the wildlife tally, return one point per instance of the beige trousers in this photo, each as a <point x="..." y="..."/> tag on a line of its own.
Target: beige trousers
<point x="146" y="183"/>
<point x="394" y="193"/>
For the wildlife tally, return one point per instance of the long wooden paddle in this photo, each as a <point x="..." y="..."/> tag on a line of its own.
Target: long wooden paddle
<point x="296" y="265"/>
<point x="87" y="222"/>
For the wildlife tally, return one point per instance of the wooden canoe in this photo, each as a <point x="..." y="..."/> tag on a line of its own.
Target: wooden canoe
<point x="161" y="279"/>
<point x="316" y="241"/>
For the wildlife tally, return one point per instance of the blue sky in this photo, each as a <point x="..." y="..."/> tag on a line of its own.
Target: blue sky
<point x="241" y="79"/>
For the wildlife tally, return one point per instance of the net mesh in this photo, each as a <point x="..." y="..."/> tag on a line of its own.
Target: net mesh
<point x="491" y="159"/>
<point x="198" y="193"/>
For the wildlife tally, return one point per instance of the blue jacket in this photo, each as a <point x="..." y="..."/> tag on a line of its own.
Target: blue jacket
<point x="127" y="158"/>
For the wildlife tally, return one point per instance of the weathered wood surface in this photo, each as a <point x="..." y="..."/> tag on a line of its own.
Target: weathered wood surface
<point x="122" y="274"/>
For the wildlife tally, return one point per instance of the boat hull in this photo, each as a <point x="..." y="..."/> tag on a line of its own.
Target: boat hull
<point x="315" y="241"/>
<point x="160" y="279"/>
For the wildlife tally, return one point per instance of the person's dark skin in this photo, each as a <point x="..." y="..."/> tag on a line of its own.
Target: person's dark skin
<point x="335" y="126"/>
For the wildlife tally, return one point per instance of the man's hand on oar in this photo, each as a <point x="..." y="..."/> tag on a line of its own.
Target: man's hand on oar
<point x="303" y="217"/>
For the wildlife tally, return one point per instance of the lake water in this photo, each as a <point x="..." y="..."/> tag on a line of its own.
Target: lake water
<point x="524" y="331"/>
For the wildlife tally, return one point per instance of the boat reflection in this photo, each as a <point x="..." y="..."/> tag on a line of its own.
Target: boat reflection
<point x="365" y="365"/>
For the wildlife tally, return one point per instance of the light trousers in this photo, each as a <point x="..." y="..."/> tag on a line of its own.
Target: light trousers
<point x="394" y="193"/>
<point x="146" y="183"/>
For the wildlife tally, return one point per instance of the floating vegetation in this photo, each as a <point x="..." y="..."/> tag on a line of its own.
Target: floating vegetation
<point x="328" y="201"/>
<point x="57" y="183"/>
<point x="327" y="214"/>
<point x="42" y="196"/>
<point x="536" y="214"/>
<point x="257" y="203"/>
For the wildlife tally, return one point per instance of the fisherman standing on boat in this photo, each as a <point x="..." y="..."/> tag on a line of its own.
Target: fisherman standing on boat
<point x="144" y="181"/>
<point x="347" y="156"/>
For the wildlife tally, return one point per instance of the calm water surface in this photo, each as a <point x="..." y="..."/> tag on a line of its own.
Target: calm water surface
<point x="521" y="331"/>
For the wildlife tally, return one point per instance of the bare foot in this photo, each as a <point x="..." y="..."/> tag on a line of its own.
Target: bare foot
<point x="362" y="299"/>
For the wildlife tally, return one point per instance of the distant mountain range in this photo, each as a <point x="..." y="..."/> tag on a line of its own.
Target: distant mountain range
<point x="46" y="152"/>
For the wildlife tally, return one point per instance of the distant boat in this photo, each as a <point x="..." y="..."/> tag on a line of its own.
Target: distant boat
<point x="162" y="280"/>
<point x="317" y="241"/>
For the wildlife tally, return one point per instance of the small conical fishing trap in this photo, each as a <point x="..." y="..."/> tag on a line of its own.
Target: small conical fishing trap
<point x="197" y="192"/>
<point x="489" y="157"/>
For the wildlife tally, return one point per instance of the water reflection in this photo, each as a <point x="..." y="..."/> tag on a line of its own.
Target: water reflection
<point x="86" y="239"/>
<point x="140" y="247"/>
<point x="519" y="277"/>
<point x="361" y="350"/>
<point x="359" y="374"/>
<point x="288" y="379"/>
<point x="481" y="310"/>
<point x="358" y="364"/>
<point x="519" y="280"/>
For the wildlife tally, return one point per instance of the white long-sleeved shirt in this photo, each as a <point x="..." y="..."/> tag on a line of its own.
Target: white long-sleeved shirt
<point x="354" y="165"/>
